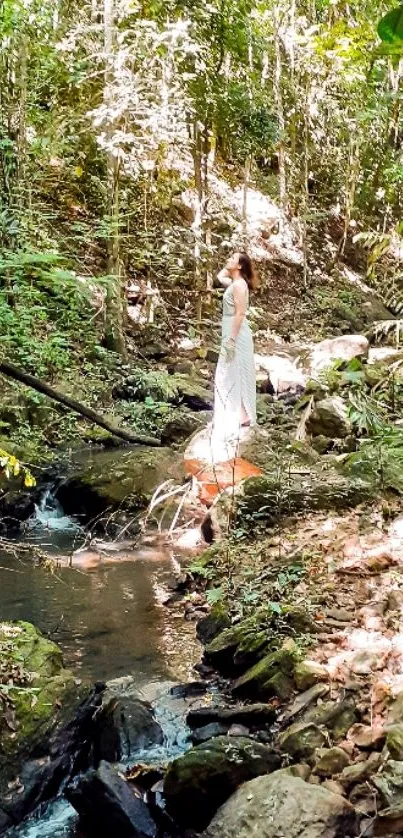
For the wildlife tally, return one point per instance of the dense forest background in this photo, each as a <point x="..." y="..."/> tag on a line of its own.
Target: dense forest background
<point x="141" y="142"/>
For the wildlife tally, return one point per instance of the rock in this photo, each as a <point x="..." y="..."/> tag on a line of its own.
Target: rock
<point x="198" y="782"/>
<point x="204" y="734"/>
<point x="268" y="677"/>
<point x="282" y="806"/>
<point x="343" y="348"/>
<point x="360" y="771"/>
<point x="395" y="714"/>
<point x="108" y="805"/>
<point x="390" y="783"/>
<point x="303" y="700"/>
<point x="367" y="737"/>
<point x="181" y="424"/>
<point x="337" y="716"/>
<point x="238" y="730"/>
<point x="126" y="478"/>
<point x="193" y="689"/>
<point x="330" y="761"/>
<point x="220" y="652"/>
<point x="212" y="624"/>
<point x="394" y="741"/>
<point x="273" y="498"/>
<point x="389" y="821"/>
<point x="307" y="673"/>
<point x="333" y="786"/>
<point x="48" y="725"/>
<point x="127" y="724"/>
<point x="284" y="375"/>
<point x="251" y="715"/>
<point x="301" y="740"/>
<point x="329" y="418"/>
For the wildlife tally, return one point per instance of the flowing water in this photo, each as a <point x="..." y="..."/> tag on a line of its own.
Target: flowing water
<point x="105" y="610"/>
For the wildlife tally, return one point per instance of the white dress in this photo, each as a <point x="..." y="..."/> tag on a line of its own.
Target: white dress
<point x="235" y="385"/>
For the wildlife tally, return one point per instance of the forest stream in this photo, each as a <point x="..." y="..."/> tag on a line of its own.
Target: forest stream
<point x="109" y="621"/>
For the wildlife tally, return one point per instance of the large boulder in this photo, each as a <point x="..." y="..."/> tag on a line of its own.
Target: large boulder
<point x="270" y="676"/>
<point x="123" y="478"/>
<point x="283" y="806"/>
<point x="127" y="724"/>
<point x="329" y="418"/>
<point x="45" y="722"/>
<point x="108" y="805"/>
<point x="343" y="348"/>
<point x="198" y="782"/>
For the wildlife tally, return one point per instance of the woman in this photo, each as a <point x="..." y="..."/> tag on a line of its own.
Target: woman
<point x="235" y="380"/>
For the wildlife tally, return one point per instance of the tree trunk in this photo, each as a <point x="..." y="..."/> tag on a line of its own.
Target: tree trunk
<point x="115" y="336"/>
<point x="41" y="387"/>
<point x="278" y="98"/>
<point x="198" y="221"/>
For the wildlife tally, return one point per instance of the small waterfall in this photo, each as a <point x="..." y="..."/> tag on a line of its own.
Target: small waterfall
<point x="49" y="514"/>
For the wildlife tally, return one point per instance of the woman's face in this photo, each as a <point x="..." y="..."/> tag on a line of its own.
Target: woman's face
<point x="233" y="263"/>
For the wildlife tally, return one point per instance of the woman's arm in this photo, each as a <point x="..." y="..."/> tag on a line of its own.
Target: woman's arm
<point x="224" y="278"/>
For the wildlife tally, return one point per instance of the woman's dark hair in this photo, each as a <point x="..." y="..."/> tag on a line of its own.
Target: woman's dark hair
<point x="247" y="271"/>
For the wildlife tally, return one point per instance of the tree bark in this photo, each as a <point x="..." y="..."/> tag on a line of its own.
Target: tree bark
<point x="278" y="98"/>
<point x="115" y="336"/>
<point x="14" y="372"/>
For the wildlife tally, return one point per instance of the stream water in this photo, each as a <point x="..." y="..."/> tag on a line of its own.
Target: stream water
<point x="109" y="619"/>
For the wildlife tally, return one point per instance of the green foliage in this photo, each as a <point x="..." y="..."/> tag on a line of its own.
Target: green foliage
<point x="390" y="27"/>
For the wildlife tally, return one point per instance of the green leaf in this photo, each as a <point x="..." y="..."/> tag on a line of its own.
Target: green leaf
<point x="390" y="27"/>
<point x="214" y="595"/>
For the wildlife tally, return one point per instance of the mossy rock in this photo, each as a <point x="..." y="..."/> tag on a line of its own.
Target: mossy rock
<point x="213" y="624"/>
<point x="336" y="716"/>
<point x="120" y="478"/>
<point x="299" y="492"/>
<point x="269" y="677"/>
<point x="44" y="697"/>
<point x="301" y="740"/>
<point x="198" y="782"/>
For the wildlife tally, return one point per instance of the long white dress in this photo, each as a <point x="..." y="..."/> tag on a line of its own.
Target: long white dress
<point x="235" y="385"/>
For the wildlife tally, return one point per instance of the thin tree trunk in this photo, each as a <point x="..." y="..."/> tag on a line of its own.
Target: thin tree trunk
<point x="246" y="181"/>
<point x="15" y="373"/>
<point x="114" y="299"/>
<point x="278" y="97"/>
<point x="198" y="220"/>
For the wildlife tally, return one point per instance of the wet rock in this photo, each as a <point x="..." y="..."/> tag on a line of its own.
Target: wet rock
<point x="329" y="418"/>
<point x="390" y="783"/>
<point x="343" y="348"/>
<point x="192" y="690"/>
<point x="127" y="724"/>
<point x="281" y="805"/>
<point x="212" y="624"/>
<point x="238" y="730"/>
<point x="49" y="723"/>
<point x="307" y="673"/>
<point x="126" y="479"/>
<point x="301" y="740"/>
<point x="108" y="805"/>
<point x="198" y="782"/>
<point x="251" y="715"/>
<point x="330" y="761"/>
<point x="360" y="771"/>
<point x="269" y="677"/>
<point x="204" y="734"/>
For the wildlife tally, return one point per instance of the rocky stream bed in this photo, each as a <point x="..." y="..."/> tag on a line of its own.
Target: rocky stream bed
<point x="275" y="712"/>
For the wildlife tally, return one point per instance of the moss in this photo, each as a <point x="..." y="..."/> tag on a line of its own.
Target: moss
<point x="43" y="694"/>
<point x="261" y="680"/>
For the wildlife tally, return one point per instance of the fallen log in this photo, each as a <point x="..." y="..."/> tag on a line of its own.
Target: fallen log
<point x="11" y="371"/>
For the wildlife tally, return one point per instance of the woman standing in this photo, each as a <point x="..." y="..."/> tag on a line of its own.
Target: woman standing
<point x="235" y="380"/>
